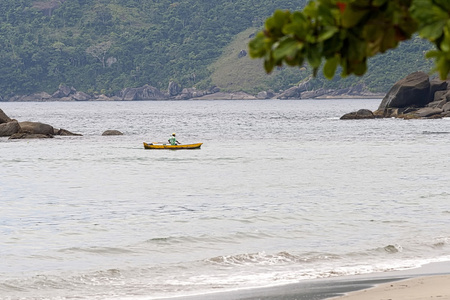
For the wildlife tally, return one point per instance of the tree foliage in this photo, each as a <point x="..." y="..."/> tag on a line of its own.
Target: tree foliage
<point x="329" y="34"/>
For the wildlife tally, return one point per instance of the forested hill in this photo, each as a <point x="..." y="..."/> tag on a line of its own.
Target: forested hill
<point x="103" y="46"/>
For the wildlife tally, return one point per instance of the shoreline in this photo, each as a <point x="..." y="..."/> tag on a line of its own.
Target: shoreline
<point x="431" y="279"/>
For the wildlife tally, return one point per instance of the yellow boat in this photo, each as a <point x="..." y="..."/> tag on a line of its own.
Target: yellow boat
<point x="172" y="147"/>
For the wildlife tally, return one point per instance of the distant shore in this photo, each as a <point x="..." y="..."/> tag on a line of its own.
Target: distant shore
<point x="431" y="281"/>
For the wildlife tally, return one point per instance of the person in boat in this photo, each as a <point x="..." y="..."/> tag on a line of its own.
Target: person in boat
<point x="173" y="140"/>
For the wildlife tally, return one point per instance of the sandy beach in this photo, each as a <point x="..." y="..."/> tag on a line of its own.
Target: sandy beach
<point x="420" y="288"/>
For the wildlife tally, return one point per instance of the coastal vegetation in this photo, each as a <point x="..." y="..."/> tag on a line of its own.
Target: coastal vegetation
<point x="104" y="46"/>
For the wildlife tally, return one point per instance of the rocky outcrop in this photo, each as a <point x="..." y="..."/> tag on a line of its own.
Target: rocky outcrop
<point x="147" y="92"/>
<point x="112" y="132"/>
<point x="413" y="97"/>
<point x="29" y="130"/>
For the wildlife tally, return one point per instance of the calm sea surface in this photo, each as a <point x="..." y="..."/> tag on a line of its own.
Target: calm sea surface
<point x="281" y="191"/>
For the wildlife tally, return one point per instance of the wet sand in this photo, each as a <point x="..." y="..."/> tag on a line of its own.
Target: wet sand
<point x="428" y="282"/>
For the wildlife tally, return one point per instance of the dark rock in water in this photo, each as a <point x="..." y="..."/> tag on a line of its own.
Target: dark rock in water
<point x="412" y="90"/>
<point x="36" y="128"/>
<point x="360" y="114"/>
<point x="3" y="117"/>
<point x="112" y="132"/>
<point x="63" y="132"/>
<point x="24" y="135"/>
<point x="10" y="128"/>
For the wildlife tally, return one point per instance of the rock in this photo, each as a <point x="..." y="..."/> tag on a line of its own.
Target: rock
<point x="412" y="90"/>
<point x="36" y="97"/>
<point x="189" y="93"/>
<point x="81" y="96"/>
<point x="214" y="89"/>
<point x="103" y="97"/>
<point x="438" y="95"/>
<point x="36" y="128"/>
<point x="438" y="103"/>
<point x="435" y="86"/>
<point x="174" y="89"/>
<point x="112" y="132"/>
<point x="242" y="53"/>
<point x="24" y="135"/>
<point x="146" y="92"/>
<point x="314" y="94"/>
<point x="64" y="132"/>
<point x="291" y="93"/>
<point x="10" y="128"/>
<point x="63" y="91"/>
<point x="428" y="112"/>
<point x="446" y="107"/>
<point x="227" y="96"/>
<point x="4" y="118"/>
<point x="360" y="114"/>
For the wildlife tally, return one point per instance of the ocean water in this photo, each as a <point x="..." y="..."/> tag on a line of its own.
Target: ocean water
<point x="280" y="192"/>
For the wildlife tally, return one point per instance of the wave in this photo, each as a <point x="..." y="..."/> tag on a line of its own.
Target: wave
<point x="435" y="132"/>
<point x="98" y="250"/>
<point x="262" y="258"/>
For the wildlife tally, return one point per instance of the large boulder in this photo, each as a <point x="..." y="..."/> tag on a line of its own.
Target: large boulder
<point x="3" y="117"/>
<point x="10" y="128"/>
<point x="36" y="128"/>
<point x="413" y="90"/>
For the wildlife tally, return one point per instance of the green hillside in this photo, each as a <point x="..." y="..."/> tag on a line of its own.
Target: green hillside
<point x="103" y="46"/>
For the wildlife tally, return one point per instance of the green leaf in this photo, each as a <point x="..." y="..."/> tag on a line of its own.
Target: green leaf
<point x="314" y="56"/>
<point x="330" y="66"/>
<point x="286" y="48"/>
<point x="433" y="30"/>
<point x="378" y="3"/>
<point x="351" y="17"/>
<point x="328" y="32"/>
